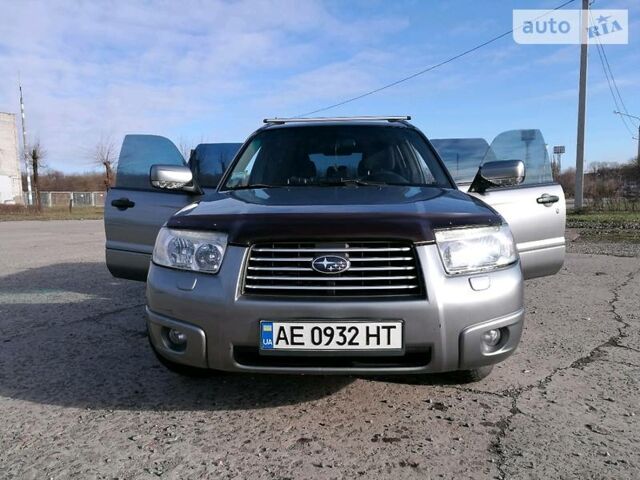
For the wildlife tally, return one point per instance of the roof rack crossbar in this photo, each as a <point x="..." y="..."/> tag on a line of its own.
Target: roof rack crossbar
<point x="397" y="118"/>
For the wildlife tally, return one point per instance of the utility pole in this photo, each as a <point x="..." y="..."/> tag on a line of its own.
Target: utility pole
<point x="637" y="118"/>
<point x="25" y="150"/>
<point x="582" y="99"/>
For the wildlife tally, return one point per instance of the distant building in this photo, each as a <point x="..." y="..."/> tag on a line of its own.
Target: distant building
<point x="10" y="179"/>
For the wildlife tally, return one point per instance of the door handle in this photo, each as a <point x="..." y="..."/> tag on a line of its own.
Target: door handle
<point x="546" y="199"/>
<point x="123" y="203"/>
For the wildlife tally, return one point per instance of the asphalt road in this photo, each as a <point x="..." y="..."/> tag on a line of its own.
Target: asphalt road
<point x="81" y="395"/>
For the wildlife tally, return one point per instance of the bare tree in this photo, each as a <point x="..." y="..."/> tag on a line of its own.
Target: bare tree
<point x="36" y="155"/>
<point x="555" y="170"/>
<point x="185" y="147"/>
<point x="105" y="155"/>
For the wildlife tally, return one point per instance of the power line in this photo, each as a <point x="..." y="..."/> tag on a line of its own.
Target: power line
<point x="613" y="95"/>
<point x="611" y="82"/>
<point x="426" y="70"/>
<point x="615" y="84"/>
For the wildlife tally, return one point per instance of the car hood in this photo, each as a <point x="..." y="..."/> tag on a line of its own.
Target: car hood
<point x="316" y="213"/>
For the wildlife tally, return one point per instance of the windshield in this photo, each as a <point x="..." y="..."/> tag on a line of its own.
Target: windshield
<point x="336" y="155"/>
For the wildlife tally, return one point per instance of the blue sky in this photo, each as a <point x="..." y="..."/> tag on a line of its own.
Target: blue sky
<point x="210" y="71"/>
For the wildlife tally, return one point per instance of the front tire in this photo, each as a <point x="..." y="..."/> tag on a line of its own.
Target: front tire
<point x="471" y="376"/>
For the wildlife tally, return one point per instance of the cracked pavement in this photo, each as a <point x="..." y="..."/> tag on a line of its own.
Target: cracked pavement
<point x="81" y="395"/>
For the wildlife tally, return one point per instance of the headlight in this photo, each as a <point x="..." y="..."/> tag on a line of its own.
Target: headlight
<point x="187" y="250"/>
<point x="467" y="250"/>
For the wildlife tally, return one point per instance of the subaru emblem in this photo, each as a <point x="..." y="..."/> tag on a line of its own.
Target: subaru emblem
<point x="330" y="264"/>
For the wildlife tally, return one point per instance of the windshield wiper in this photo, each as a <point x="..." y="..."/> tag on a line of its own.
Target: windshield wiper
<point x="350" y="181"/>
<point x="255" y="185"/>
<point x="338" y="182"/>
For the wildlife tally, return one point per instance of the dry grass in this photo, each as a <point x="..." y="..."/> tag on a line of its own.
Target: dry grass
<point x="19" y="212"/>
<point x="612" y="217"/>
<point x="614" y="226"/>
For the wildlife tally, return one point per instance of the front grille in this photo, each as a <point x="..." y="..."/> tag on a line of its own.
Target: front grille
<point x="376" y="269"/>
<point x="251" y="357"/>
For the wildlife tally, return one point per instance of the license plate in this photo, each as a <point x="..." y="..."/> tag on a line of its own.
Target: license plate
<point x="318" y="336"/>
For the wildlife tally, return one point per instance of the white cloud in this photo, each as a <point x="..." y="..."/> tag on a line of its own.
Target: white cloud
<point x="112" y="67"/>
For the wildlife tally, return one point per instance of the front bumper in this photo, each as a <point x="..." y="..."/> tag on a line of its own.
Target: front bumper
<point x="442" y="331"/>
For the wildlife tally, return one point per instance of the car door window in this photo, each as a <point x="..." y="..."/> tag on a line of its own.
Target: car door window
<point x="209" y="161"/>
<point x="138" y="154"/>
<point x="527" y="145"/>
<point x="463" y="156"/>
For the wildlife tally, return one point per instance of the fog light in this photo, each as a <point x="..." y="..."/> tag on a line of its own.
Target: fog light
<point x="491" y="338"/>
<point x="177" y="337"/>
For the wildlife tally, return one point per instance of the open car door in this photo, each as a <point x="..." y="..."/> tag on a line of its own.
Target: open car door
<point x="534" y="209"/>
<point x="135" y="210"/>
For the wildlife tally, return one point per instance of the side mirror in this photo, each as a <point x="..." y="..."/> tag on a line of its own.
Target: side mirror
<point x="173" y="177"/>
<point x="498" y="174"/>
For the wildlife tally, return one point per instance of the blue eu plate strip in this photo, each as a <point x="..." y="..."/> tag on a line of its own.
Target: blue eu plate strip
<point x="266" y="335"/>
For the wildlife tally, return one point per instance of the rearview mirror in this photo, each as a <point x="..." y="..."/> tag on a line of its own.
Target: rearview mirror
<point x="172" y="177"/>
<point x="341" y="147"/>
<point x="498" y="174"/>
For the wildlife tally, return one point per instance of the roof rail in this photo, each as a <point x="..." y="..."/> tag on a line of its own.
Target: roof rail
<point x="277" y="120"/>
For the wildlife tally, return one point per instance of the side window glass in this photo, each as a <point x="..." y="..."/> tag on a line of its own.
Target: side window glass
<point x="210" y="160"/>
<point x="528" y="146"/>
<point x="463" y="156"/>
<point x="138" y="154"/>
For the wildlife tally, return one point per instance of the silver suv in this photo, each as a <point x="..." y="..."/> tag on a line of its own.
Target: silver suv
<point x="336" y="246"/>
